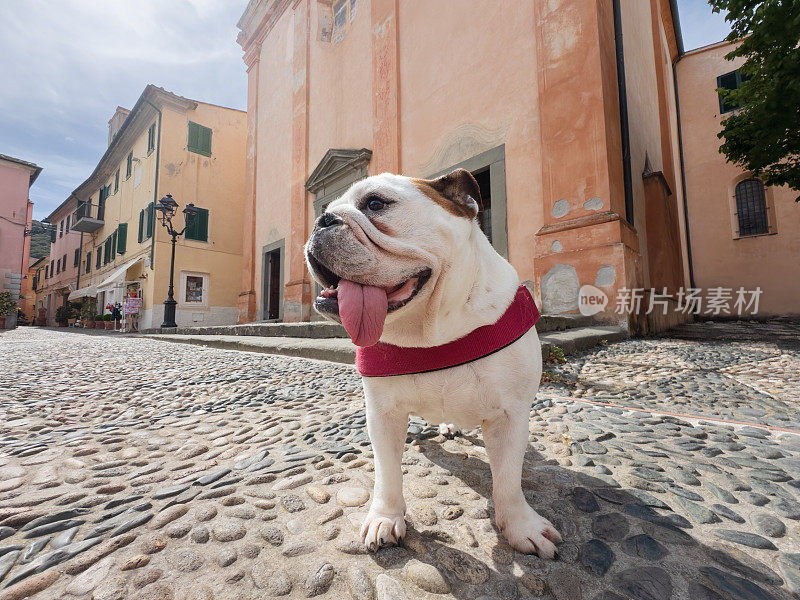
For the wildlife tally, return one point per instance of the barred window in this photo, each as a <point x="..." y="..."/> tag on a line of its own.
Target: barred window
<point x="751" y="207"/>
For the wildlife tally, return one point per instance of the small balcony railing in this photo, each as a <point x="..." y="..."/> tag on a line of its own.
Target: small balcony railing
<point x="86" y="219"/>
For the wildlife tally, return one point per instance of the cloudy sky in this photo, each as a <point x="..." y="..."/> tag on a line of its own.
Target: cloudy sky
<point x="67" y="64"/>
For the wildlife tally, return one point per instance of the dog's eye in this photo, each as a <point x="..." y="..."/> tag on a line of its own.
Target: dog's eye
<point x="376" y="204"/>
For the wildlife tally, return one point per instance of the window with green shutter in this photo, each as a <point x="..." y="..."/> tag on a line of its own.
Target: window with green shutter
<point x="98" y="256"/>
<point x="151" y="138"/>
<point x="129" y="166"/>
<point x="141" y="226"/>
<point x="106" y="250"/>
<point x="114" y="245"/>
<point x="101" y="202"/>
<point x="199" y="139"/>
<point x="122" y="238"/>
<point x="116" y="181"/>
<point x="88" y="262"/>
<point x="149" y="216"/>
<point x="197" y="225"/>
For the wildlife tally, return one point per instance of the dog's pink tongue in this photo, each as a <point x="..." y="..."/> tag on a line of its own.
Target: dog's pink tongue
<point x="362" y="309"/>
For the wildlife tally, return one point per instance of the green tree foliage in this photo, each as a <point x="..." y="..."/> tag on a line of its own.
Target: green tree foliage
<point x="763" y="136"/>
<point x="40" y="240"/>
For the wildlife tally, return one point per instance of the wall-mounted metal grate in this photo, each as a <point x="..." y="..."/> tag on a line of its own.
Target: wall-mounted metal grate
<point x="751" y="207"/>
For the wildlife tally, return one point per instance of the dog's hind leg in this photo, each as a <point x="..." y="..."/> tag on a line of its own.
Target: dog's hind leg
<point x="385" y="522"/>
<point x="506" y="438"/>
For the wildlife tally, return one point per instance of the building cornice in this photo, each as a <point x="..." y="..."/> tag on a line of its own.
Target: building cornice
<point x="135" y="124"/>
<point x="32" y="167"/>
<point x="255" y="24"/>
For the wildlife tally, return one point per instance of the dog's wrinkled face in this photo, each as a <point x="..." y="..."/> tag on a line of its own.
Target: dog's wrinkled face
<point x="379" y="247"/>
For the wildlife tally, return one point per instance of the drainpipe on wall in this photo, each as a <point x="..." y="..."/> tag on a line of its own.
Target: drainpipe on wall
<point x="683" y="172"/>
<point x="623" y="113"/>
<point x="155" y="185"/>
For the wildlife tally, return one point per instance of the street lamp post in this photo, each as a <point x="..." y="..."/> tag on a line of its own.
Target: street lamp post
<point x="168" y="208"/>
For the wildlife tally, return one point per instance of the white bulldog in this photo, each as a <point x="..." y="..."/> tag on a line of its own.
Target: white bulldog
<point x="404" y="262"/>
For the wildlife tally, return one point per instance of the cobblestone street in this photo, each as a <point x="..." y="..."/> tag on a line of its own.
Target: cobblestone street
<point x="135" y="468"/>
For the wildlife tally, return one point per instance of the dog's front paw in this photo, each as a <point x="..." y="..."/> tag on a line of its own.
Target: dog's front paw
<point x="529" y="532"/>
<point x="449" y="430"/>
<point x="382" y="529"/>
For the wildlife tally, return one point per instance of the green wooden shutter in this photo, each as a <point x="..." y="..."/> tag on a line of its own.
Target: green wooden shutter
<point x="116" y="181"/>
<point x="129" y="165"/>
<point x="192" y="142"/>
<point x="98" y="257"/>
<point x="114" y="245"/>
<point x="150" y="215"/>
<point x="205" y="141"/>
<point x="202" y="225"/>
<point x="122" y="238"/>
<point x="199" y="139"/>
<point x="197" y="226"/>
<point x="141" y="224"/>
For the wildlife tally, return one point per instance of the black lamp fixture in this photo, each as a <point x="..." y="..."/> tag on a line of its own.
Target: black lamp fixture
<point x="168" y="208"/>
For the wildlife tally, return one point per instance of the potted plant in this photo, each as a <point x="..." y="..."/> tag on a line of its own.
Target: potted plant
<point x="98" y="321"/>
<point x="109" y="322"/>
<point x="7" y="306"/>
<point x="63" y="315"/>
<point x="88" y="310"/>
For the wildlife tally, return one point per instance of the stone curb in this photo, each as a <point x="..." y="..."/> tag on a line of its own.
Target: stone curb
<point x="325" y="329"/>
<point x="342" y="350"/>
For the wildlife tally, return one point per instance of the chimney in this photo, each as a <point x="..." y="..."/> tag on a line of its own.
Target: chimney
<point x="115" y="122"/>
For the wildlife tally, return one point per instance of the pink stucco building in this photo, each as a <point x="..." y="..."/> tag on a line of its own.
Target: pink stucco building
<point x="62" y="274"/>
<point x="743" y="234"/>
<point x="16" y="210"/>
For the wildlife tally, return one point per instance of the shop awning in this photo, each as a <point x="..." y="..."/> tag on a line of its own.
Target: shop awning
<point x="117" y="276"/>
<point x="89" y="290"/>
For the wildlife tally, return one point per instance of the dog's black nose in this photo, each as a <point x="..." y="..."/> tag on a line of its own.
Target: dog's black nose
<point x="328" y="220"/>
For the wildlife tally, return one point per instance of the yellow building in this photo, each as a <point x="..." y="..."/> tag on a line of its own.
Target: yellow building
<point x="165" y="145"/>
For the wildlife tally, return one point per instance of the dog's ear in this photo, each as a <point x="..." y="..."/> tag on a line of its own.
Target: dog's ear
<point x="458" y="193"/>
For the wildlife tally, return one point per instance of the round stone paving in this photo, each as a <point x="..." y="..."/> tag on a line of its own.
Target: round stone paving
<point x="131" y="468"/>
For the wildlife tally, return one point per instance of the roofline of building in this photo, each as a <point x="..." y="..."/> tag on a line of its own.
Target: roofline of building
<point x="152" y="95"/>
<point x="707" y="47"/>
<point x="38" y="260"/>
<point x="118" y="110"/>
<point x="241" y="110"/>
<point x="33" y="167"/>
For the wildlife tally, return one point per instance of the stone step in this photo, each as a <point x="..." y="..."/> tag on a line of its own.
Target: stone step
<point x="341" y="350"/>
<point x="305" y="329"/>
<point x="326" y="329"/>
<point x="581" y="338"/>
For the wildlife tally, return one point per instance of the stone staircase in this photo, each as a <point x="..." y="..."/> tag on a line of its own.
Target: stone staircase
<point x="322" y="340"/>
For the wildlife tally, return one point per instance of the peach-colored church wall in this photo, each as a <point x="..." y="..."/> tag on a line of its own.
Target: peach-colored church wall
<point x="274" y="141"/>
<point x="340" y="94"/>
<point x="474" y="96"/>
<point x="720" y="259"/>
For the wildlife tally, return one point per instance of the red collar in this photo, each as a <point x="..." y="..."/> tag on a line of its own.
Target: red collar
<point x="383" y="360"/>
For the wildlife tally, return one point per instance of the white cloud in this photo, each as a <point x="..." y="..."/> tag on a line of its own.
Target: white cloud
<point x="699" y="25"/>
<point x="70" y="63"/>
